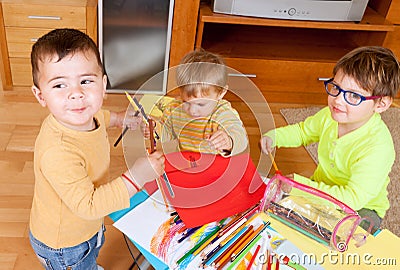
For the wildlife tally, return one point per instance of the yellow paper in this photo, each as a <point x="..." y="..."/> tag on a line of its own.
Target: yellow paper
<point x="380" y="252"/>
<point x="153" y="104"/>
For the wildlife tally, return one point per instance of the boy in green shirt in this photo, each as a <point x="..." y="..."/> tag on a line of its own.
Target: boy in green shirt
<point x="355" y="149"/>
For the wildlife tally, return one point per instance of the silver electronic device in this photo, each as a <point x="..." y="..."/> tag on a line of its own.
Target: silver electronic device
<point x="314" y="10"/>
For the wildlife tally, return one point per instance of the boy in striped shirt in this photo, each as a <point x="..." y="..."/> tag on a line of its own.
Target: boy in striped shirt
<point x="201" y="120"/>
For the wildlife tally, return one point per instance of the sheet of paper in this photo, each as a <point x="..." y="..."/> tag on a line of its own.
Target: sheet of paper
<point x="142" y="222"/>
<point x="208" y="187"/>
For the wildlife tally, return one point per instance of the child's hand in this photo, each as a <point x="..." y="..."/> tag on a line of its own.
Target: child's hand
<point x="221" y="141"/>
<point x="266" y="145"/>
<point x="147" y="168"/>
<point x="144" y="127"/>
<point x="132" y="120"/>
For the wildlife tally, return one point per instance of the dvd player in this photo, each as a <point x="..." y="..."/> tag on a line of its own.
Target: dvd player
<point x="314" y="10"/>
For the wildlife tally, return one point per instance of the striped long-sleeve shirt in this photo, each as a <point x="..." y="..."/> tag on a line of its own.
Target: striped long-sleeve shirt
<point x="191" y="133"/>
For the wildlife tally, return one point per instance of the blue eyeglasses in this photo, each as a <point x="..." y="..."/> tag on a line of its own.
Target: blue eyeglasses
<point x="350" y="97"/>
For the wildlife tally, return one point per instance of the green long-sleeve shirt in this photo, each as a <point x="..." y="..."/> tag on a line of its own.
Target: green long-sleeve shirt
<point x="353" y="168"/>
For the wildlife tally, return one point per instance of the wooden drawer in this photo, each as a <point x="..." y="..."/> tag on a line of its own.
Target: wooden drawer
<point x="21" y="71"/>
<point x="20" y="40"/>
<point x="44" y="16"/>
<point x="284" y="76"/>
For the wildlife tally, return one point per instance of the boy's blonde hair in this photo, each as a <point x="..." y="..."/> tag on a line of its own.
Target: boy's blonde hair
<point x="61" y="43"/>
<point x="199" y="71"/>
<point x="375" y="69"/>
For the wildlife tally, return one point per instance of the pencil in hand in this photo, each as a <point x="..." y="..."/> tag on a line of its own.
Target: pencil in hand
<point x="135" y="103"/>
<point x="124" y="131"/>
<point x="277" y="171"/>
<point x="120" y="136"/>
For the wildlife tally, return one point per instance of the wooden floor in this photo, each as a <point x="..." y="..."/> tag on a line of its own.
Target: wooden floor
<point x="20" y="119"/>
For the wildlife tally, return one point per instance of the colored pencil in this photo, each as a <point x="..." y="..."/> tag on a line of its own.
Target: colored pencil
<point x="232" y="229"/>
<point x="237" y="219"/>
<point x="269" y="260"/>
<point x="277" y="171"/>
<point x="213" y="255"/>
<point x="124" y="131"/>
<point x="176" y="218"/>
<point x="245" y="243"/>
<point x="214" y="235"/>
<point x="247" y="223"/>
<point x="293" y="226"/>
<point x="200" y="231"/>
<point x="253" y="210"/>
<point x="233" y="265"/>
<point x="152" y="150"/>
<point x="253" y="257"/>
<point x="230" y="224"/>
<point x="120" y="136"/>
<point x="193" y="249"/>
<point x="135" y="103"/>
<point x="210" y="253"/>
<point x="152" y="140"/>
<point x="162" y="193"/>
<point x="181" y="230"/>
<point x="232" y="234"/>
<point x="276" y="263"/>
<point x="255" y="234"/>
<point x="226" y="259"/>
<point x="186" y="234"/>
<point x="266" y="256"/>
<point x="234" y="246"/>
<point x="168" y="183"/>
<point x="223" y="237"/>
<point x="266" y="237"/>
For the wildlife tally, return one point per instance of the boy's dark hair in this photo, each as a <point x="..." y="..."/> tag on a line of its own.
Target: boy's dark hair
<point x="200" y="70"/>
<point x="61" y="42"/>
<point x="375" y="69"/>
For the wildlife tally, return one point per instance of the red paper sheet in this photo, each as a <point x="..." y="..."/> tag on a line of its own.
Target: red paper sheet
<point x="211" y="187"/>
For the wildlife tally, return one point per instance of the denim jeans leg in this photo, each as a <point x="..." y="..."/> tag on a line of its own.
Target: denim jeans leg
<point x="79" y="257"/>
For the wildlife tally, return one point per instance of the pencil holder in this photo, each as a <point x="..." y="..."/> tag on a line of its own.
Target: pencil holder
<point x="310" y="211"/>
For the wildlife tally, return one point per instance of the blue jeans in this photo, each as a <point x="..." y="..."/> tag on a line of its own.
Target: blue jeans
<point x="79" y="257"/>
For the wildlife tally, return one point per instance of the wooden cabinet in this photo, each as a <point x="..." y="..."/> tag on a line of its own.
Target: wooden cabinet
<point x="23" y="22"/>
<point x="392" y="39"/>
<point x="289" y="59"/>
